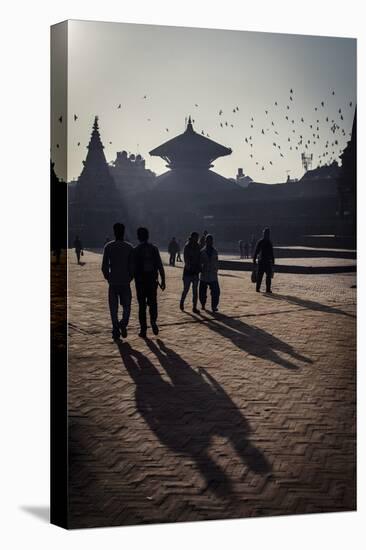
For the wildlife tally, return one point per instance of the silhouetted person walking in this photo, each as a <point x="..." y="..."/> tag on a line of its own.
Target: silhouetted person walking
<point x="202" y="242"/>
<point x="209" y="275"/>
<point x="172" y="249"/>
<point x="117" y="268"/>
<point x="78" y="248"/>
<point x="192" y="268"/>
<point x="148" y="266"/>
<point x="264" y="252"/>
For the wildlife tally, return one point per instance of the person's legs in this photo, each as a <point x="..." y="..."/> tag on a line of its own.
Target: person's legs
<point x="125" y="297"/>
<point x="215" y="295"/>
<point x="153" y="305"/>
<point x="203" y="293"/>
<point x="113" y="308"/>
<point x="186" y="284"/>
<point x="141" y="298"/>
<point x="194" y="291"/>
<point x="78" y="255"/>
<point x="268" y="277"/>
<point x="260" y="273"/>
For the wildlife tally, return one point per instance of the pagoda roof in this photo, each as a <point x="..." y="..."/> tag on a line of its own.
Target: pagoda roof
<point x="190" y="149"/>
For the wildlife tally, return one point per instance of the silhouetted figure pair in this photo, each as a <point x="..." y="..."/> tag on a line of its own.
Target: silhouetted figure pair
<point x="264" y="253"/>
<point x="173" y="250"/>
<point x="148" y="267"/>
<point x="121" y="263"/>
<point x="78" y="248"/>
<point x="118" y="270"/>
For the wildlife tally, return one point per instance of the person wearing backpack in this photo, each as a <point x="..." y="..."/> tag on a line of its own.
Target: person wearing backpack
<point x="148" y="267"/>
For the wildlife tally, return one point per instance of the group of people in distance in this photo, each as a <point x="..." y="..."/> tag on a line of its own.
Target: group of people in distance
<point x="247" y="248"/>
<point x="122" y="263"/>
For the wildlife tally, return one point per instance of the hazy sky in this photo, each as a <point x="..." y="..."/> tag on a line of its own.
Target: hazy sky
<point x="176" y="68"/>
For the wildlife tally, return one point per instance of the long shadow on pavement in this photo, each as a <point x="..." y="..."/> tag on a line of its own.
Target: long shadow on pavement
<point x="187" y="411"/>
<point x="308" y="304"/>
<point x="252" y="340"/>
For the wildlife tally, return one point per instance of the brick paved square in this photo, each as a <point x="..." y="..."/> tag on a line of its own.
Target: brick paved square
<point x="248" y="412"/>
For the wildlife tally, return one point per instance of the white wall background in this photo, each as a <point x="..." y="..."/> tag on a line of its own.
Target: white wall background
<point x="24" y="310"/>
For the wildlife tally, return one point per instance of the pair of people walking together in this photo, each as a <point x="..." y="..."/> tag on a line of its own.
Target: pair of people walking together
<point x="200" y="272"/>
<point x="122" y="263"/>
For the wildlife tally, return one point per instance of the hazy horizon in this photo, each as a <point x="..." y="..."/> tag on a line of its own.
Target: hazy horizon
<point x="161" y="75"/>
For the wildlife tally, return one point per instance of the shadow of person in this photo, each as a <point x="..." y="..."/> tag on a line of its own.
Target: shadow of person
<point x="309" y="304"/>
<point x="253" y="340"/>
<point x="187" y="411"/>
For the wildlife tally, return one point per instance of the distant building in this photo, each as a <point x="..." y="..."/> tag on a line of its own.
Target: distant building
<point x="242" y="179"/>
<point x="183" y="197"/>
<point x="347" y="182"/>
<point x="95" y="203"/>
<point x="130" y="174"/>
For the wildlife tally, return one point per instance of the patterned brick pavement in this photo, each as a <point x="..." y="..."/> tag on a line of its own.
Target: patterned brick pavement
<point x="249" y="412"/>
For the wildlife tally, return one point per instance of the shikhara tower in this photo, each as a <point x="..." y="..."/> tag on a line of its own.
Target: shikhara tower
<point x="96" y="204"/>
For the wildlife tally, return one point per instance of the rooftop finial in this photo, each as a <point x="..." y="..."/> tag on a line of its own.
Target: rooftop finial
<point x="189" y="125"/>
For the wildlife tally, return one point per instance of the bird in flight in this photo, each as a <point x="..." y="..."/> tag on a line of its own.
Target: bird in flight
<point x="75" y="117"/>
<point x="167" y="129"/>
<point x="220" y="112"/>
<point x="291" y="91"/>
<point x="119" y="106"/>
<point x="78" y="143"/>
<point x="60" y="119"/>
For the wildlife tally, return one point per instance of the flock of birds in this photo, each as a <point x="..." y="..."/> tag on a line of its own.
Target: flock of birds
<point x="322" y="131"/>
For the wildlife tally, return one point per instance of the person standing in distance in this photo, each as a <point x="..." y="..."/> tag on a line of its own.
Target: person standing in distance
<point x="264" y="252"/>
<point x="148" y="267"/>
<point x="117" y="268"/>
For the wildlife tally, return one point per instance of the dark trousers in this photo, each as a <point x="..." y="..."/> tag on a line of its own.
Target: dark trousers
<point x="146" y="292"/>
<point x="172" y="259"/>
<point x="215" y="293"/>
<point x="78" y="252"/>
<point x="264" y="268"/>
<point x="121" y="294"/>
<point x="189" y="280"/>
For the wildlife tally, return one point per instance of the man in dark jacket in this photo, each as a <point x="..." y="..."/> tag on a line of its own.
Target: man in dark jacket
<point x="192" y="268"/>
<point x="264" y="252"/>
<point x="148" y="266"/>
<point x="117" y="268"/>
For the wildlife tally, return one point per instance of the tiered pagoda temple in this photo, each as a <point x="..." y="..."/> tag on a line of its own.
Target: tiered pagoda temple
<point x="96" y="202"/>
<point x="183" y="198"/>
<point x="189" y="157"/>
